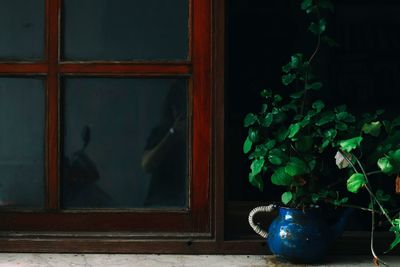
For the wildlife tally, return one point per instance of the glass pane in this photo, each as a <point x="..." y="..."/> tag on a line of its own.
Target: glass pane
<point x="22" y="29"/>
<point x="125" y="30"/>
<point x="22" y="107"/>
<point x="125" y="143"/>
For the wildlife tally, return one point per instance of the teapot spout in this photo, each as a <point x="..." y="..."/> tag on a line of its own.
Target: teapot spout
<point x="339" y="226"/>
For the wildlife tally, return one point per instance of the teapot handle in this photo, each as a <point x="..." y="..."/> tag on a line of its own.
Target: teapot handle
<point x="256" y="227"/>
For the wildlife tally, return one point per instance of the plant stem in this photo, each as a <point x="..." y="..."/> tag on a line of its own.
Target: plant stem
<point x="308" y="70"/>
<point x="372" y="194"/>
<point x="373" y="200"/>
<point x="357" y="207"/>
<point x="316" y="49"/>
<point x="374" y="172"/>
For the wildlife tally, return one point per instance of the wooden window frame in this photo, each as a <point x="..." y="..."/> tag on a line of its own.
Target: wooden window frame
<point x="191" y="221"/>
<point x="218" y="213"/>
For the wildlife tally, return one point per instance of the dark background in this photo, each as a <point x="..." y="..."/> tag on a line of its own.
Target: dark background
<point x="362" y="72"/>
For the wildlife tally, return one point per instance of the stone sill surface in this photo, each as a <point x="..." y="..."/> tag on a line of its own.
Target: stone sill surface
<point x="121" y="260"/>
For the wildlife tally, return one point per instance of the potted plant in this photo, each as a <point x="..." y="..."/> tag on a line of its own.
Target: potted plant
<point x="289" y="142"/>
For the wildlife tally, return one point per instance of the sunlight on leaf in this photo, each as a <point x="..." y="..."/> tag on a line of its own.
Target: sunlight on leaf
<point x="355" y="182"/>
<point x="350" y="144"/>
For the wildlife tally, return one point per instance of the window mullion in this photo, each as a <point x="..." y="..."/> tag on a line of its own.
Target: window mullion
<point x="52" y="151"/>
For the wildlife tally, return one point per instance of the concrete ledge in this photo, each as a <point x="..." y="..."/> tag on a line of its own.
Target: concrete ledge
<point x="120" y="260"/>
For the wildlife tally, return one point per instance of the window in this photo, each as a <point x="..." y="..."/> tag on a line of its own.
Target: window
<point x="89" y="89"/>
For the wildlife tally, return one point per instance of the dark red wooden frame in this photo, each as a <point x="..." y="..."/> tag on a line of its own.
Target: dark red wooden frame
<point x="196" y="219"/>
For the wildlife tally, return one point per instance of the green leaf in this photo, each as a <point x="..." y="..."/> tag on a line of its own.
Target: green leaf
<point x="342" y="201"/>
<point x="319" y="27"/>
<point x="372" y="128"/>
<point x="294" y="129"/>
<point x="314" y="86"/>
<point x="280" y="177"/>
<point x="297" y="95"/>
<point x="276" y="156"/>
<point x="355" y="182"/>
<point x="261" y="150"/>
<point x="254" y="135"/>
<point x="250" y="119"/>
<point x="395" y="155"/>
<point x="330" y="134"/>
<point x="350" y="144"/>
<point x="269" y="144"/>
<point x="311" y="9"/>
<point x="266" y="93"/>
<point x="247" y="145"/>
<point x="324" y="144"/>
<point x="295" y="62"/>
<point x="290" y="106"/>
<point x="345" y="116"/>
<point x="396" y="230"/>
<point x="385" y="165"/>
<point x="341" y="126"/>
<point x="381" y="196"/>
<point x="305" y="121"/>
<point x="305" y="4"/>
<point x="315" y="198"/>
<point x="395" y="123"/>
<point x="296" y="167"/>
<point x="318" y="105"/>
<point x="282" y="134"/>
<point x="256" y="180"/>
<point x="296" y="59"/>
<point x="275" y="159"/>
<point x="277" y="98"/>
<point x="288" y="78"/>
<point x="326" y="117"/>
<point x="286" y="197"/>
<point x="264" y="108"/>
<point x="256" y="166"/>
<point x="396" y="241"/>
<point x="312" y="164"/>
<point x="279" y="117"/>
<point x="267" y="121"/>
<point x="340" y="108"/>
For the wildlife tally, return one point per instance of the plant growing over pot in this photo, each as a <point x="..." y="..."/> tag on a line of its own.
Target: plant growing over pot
<point x="291" y="137"/>
<point x="374" y="151"/>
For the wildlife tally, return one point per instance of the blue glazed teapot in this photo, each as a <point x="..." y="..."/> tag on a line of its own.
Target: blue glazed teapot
<point x="300" y="236"/>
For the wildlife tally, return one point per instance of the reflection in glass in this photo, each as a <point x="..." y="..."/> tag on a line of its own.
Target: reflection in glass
<point x="125" y="30"/>
<point x="125" y="143"/>
<point x="22" y="29"/>
<point x="21" y="142"/>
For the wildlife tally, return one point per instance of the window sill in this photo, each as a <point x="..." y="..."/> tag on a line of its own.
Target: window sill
<point x="58" y="260"/>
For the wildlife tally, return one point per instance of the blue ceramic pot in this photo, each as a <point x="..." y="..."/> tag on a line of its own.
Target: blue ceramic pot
<point x="301" y="236"/>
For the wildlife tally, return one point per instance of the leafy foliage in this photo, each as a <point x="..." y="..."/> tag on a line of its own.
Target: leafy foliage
<point x="292" y="132"/>
<point x="350" y="144"/>
<point x="355" y="182"/>
<point x="384" y="153"/>
<point x="289" y="134"/>
<point x="287" y="197"/>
